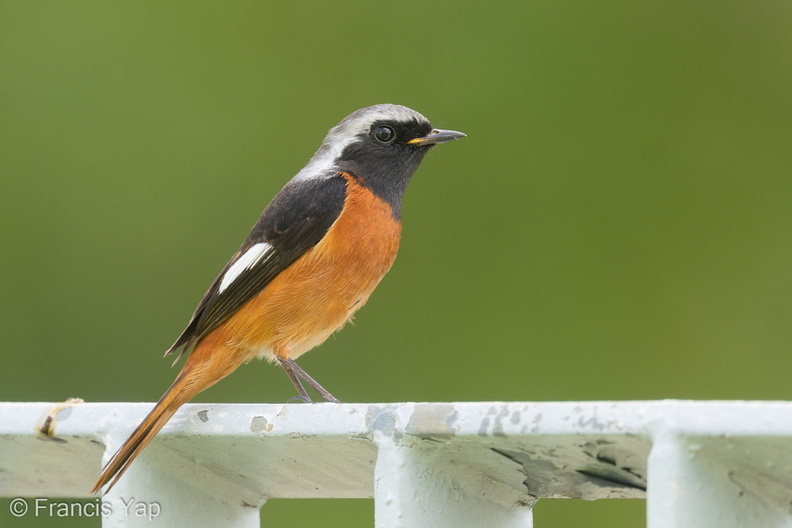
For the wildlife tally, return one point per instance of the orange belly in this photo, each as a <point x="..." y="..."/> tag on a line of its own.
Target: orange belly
<point x="317" y="294"/>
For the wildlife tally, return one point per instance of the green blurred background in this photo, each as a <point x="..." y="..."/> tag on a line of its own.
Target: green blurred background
<point x="617" y="225"/>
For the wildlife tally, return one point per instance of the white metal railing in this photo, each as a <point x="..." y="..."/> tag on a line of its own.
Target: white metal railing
<point x="698" y="464"/>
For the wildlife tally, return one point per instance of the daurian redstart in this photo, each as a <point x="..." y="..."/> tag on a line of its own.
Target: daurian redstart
<point x="310" y="262"/>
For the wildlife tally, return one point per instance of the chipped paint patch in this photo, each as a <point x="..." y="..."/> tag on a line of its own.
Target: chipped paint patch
<point x="382" y="419"/>
<point x="502" y="415"/>
<point x="516" y="417"/>
<point x="432" y="420"/>
<point x="203" y="415"/>
<point x="260" y="424"/>
<point x="492" y="422"/>
<point x="596" y="468"/>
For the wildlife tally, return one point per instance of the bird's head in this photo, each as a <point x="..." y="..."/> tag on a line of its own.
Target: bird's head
<point x="381" y="144"/>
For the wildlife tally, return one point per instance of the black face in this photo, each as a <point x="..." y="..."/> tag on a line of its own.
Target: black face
<point x="386" y="144"/>
<point x="398" y="133"/>
<point x="384" y="160"/>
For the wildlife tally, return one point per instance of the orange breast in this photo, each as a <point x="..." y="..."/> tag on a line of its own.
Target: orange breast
<point x="322" y="289"/>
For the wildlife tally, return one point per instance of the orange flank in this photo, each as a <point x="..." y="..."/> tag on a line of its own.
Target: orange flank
<point x="297" y="311"/>
<point x="315" y="296"/>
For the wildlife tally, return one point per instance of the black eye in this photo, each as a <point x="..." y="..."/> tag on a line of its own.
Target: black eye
<point x="384" y="134"/>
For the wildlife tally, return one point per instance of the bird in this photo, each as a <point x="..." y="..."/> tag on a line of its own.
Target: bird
<point x="311" y="261"/>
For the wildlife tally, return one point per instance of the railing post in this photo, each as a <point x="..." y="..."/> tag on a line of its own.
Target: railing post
<point x="417" y="485"/>
<point x="692" y="483"/>
<point x="163" y="488"/>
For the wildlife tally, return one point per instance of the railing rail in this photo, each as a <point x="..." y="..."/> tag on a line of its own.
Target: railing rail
<point x="698" y="464"/>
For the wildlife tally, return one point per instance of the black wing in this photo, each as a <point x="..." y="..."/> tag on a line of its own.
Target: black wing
<point x="296" y="220"/>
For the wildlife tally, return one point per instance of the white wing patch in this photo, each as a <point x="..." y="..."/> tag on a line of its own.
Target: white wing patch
<point x="245" y="262"/>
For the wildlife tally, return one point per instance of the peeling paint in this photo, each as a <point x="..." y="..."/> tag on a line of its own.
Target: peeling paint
<point x="382" y="419"/>
<point x="515" y="417"/>
<point x="592" y="422"/>
<point x="537" y="420"/>
<point x="497" y="430"/>
<point x="484" y="427"/>
<point x="203" y="415"/>
<point x="259" y="424"/>
<point x="432" y="420"/>
<point x="575" y="472"/>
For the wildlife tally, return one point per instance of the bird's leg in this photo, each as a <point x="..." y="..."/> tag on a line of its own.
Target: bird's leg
<point x="295" y="372"/>
<point x="303" y="394"/>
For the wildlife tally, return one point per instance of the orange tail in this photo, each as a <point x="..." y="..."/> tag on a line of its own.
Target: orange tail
<point x="205" y="367"/>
